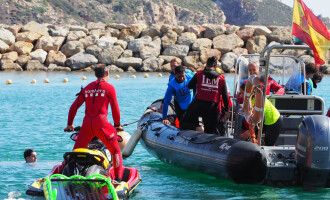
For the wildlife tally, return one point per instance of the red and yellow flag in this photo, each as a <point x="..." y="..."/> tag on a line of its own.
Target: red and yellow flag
<point x="311" y="30"/>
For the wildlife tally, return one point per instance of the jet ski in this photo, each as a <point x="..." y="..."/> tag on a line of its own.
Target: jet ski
<point x="88" y="174"/>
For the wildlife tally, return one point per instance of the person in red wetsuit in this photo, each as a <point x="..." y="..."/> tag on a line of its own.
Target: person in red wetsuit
<point x="253" y="68"/>
<point x="97" y="95"/>
<point x="211" y="86"/>
<point x="328" y="113"/>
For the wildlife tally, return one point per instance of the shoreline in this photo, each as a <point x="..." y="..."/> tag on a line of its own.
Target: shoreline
<point x="136" y="47"/>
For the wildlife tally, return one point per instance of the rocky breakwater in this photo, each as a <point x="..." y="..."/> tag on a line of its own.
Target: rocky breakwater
<point x="135" y="47"/>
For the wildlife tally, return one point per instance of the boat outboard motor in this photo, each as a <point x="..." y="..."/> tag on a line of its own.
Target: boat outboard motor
<point x="312" y="151"/>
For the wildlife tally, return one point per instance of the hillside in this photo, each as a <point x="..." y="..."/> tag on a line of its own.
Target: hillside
<point x="258" y="12"/>
<point x="175" y="12"/>
<point x="107" y="11"/>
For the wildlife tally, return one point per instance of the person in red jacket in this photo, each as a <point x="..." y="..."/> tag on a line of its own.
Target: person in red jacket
<point x="211" y="86"/>
<point x="97" y="95"/>
<point x="253" y="68"/>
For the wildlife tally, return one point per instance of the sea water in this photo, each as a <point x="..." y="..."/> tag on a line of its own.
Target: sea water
<point x="34" y="116"/>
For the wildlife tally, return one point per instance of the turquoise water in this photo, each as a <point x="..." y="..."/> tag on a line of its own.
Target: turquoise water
<point x="34" y="116"/>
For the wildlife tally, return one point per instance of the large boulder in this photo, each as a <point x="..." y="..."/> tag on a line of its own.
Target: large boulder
<point x="187" y="38"/>
<point x="55" y="57"/>
<point x="176" y="50"/>
<point x="256" y="44"/>
<point x="106" y="42"/>
<point x="9" y="65"/>
<point x="136" y="44"/>
<point x="27" y="36"/>
<point x="113" y="32"/>
<point x="36" y="27"/>
<point x="132" y="30"/>
<point x="114" y="68"/>
<point x="89" y="40"/>
<point x="78" y="28"/>
<point x="22" y="60"/>
<point x="232" y="29"/>
<point x="213" y="30"/>
<point x="54" y="67"/>
<point x="110" y="56"/>
<point x="307" y="59"/>
<point x="152" y="31"/>
<point x="23" y="48"/>
<point x="151" y="49"/>
<point x="228" y="62"/>
<point x="71" y="48"/>
<point x="192" y="61"/>
<point x="117" y="26"/>
<point x="226" y="43"/>
<point x="121" y="43"/>
<point x="207" y="53"/>
<point x="7" y="36"/>
<point x="282" y="35"/>
<point x="124" y="63"/>
<point x="169" y="38"/>
<point x="10" y="56"/>
<point x="75" y="35"/>
<point x="94" y="50"/>
<point x="259" y="30"/>
<point x="127" y="53"/>
<point x="325" y="69"/>
<point x="201" y="43"/>
<point x="178" y="29"/>
<point x="245" y="34"/>
<point x="81" y="61"/>
<point x="4" y="47"/>
<point x="152" y="64"/>
<point x="197" y="30"/>
<point x="58" y="31"/>
<point x="48" y="43"/>
<point x="39" y="55"/>
<point x="35" y="65"/>
<point x="15" y="28"/>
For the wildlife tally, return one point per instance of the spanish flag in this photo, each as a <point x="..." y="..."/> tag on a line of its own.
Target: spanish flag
<point x="311" y="30"/>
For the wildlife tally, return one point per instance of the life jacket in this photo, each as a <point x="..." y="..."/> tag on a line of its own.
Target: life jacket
<point x="271" y="113"/>
<point x="209" y="89"/>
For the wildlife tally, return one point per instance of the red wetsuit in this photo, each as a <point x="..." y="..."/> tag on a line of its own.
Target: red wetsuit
<point x="97" y="96"/>
<point x="328" y="113"/>
<point x="271" y="85"/>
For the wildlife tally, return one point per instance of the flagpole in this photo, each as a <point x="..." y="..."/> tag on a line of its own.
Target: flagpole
<point x="294" y="37"/>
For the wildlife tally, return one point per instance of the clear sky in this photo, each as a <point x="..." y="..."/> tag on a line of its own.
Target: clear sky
<point x="318" y="7"/>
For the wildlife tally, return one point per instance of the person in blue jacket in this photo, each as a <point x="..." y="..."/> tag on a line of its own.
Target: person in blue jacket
<point x="178" y="87"/>
<point x="296" y="82"/>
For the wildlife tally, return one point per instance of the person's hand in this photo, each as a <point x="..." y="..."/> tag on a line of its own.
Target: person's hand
<point x="119" y="128"/>
<point x="69" y="128"/>
<point x="165" y="121"/>
<point x="227" y="115"/>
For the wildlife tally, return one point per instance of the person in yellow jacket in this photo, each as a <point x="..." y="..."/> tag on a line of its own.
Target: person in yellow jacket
<point x="272" y="121"/>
